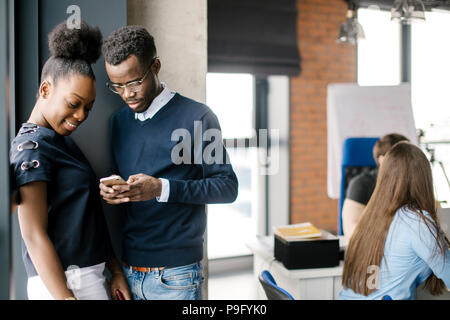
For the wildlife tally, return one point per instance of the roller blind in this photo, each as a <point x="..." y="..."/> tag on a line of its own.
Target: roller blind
<point x="253" y="36"/>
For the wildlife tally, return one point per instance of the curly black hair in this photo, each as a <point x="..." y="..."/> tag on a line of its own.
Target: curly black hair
<point x="122" y="43"/>
<point x="72" y="51"/>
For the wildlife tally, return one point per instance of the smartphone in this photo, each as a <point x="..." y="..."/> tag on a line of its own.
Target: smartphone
<point x="119" y="295"/>
<point x="113" y="180"/>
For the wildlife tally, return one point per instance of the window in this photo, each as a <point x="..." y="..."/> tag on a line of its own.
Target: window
<point x="430" y="92"/>
<point x="379" y="53"/>
<point x="230" y="96"/>
<point x="231" y="226"/>
<point x="379" y="63"/>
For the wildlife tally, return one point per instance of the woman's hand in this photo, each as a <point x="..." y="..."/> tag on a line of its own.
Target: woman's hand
<point x="119" y="282"/>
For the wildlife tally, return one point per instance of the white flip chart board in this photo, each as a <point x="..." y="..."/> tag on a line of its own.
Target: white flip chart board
<point x="364" y="111"/>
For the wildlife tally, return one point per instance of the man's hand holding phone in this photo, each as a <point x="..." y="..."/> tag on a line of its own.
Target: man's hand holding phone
<point x="139" y="187"/>
<point x="111" y="187"/>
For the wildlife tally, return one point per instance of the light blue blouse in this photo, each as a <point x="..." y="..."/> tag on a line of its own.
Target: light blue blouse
<point x="410" y="256"/>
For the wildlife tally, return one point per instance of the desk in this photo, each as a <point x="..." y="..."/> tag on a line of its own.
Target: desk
<point x="307" y="284"/>
<point x="302" y="284"/>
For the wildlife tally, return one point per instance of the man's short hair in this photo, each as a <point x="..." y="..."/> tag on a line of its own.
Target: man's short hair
<point x="385" y="143"/>
<point x="126" y="41"/>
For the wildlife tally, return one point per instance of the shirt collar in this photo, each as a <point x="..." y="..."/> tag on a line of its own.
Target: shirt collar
<point x="158" y="102"/>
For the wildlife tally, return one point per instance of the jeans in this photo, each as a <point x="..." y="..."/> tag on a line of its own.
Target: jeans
<point x="179" y="283"/>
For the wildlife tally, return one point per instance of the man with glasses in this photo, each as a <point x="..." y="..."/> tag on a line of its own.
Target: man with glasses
<point x="165" y="200"/>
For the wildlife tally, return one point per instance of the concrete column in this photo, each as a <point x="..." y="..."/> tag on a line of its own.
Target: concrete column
<point x="180" y="31"/>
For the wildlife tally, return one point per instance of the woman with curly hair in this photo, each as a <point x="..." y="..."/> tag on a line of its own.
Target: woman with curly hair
<point x="398" y="242"/>
<point x="66" y="244"/>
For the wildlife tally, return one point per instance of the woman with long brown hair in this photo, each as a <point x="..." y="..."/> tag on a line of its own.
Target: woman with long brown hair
<point x="398" y="242"/>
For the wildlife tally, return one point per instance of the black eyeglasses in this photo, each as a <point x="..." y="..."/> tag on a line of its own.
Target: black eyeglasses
<point x="133" y="86"/>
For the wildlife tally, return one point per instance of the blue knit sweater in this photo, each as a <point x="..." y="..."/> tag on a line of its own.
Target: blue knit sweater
<point x="171" y="234"/>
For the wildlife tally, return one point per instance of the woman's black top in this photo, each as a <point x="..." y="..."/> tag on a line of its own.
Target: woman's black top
<point x="76" y="222"/>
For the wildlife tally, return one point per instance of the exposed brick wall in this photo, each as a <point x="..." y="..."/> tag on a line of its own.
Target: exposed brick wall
<point x="324" y="61"/>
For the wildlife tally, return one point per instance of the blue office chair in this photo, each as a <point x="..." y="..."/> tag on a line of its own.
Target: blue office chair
<point x="273" y="292"/>
<point x="357" y="157"/>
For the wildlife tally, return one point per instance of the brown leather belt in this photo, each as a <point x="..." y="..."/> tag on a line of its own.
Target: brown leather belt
<point x="144" y="269"/>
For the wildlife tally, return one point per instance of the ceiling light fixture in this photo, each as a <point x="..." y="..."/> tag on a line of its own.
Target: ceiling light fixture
<point x="351" y="30"/>
<point x="408" y="11"/>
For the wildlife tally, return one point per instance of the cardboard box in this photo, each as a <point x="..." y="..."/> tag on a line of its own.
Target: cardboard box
<point x="322" y="252"/>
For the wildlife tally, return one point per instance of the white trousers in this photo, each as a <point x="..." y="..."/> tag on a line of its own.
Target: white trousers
<point x="87" y="283"/>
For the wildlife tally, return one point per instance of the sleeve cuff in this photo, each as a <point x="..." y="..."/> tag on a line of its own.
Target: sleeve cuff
<point x="165" y="191"/>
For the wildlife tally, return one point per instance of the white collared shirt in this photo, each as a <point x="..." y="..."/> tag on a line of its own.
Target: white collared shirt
<point x="157" y="104"/>
<point x="160" y="101"/>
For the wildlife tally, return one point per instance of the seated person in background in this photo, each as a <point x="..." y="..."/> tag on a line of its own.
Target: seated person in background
<point x="361" y="187"/>
<point x="398" y="242"/>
